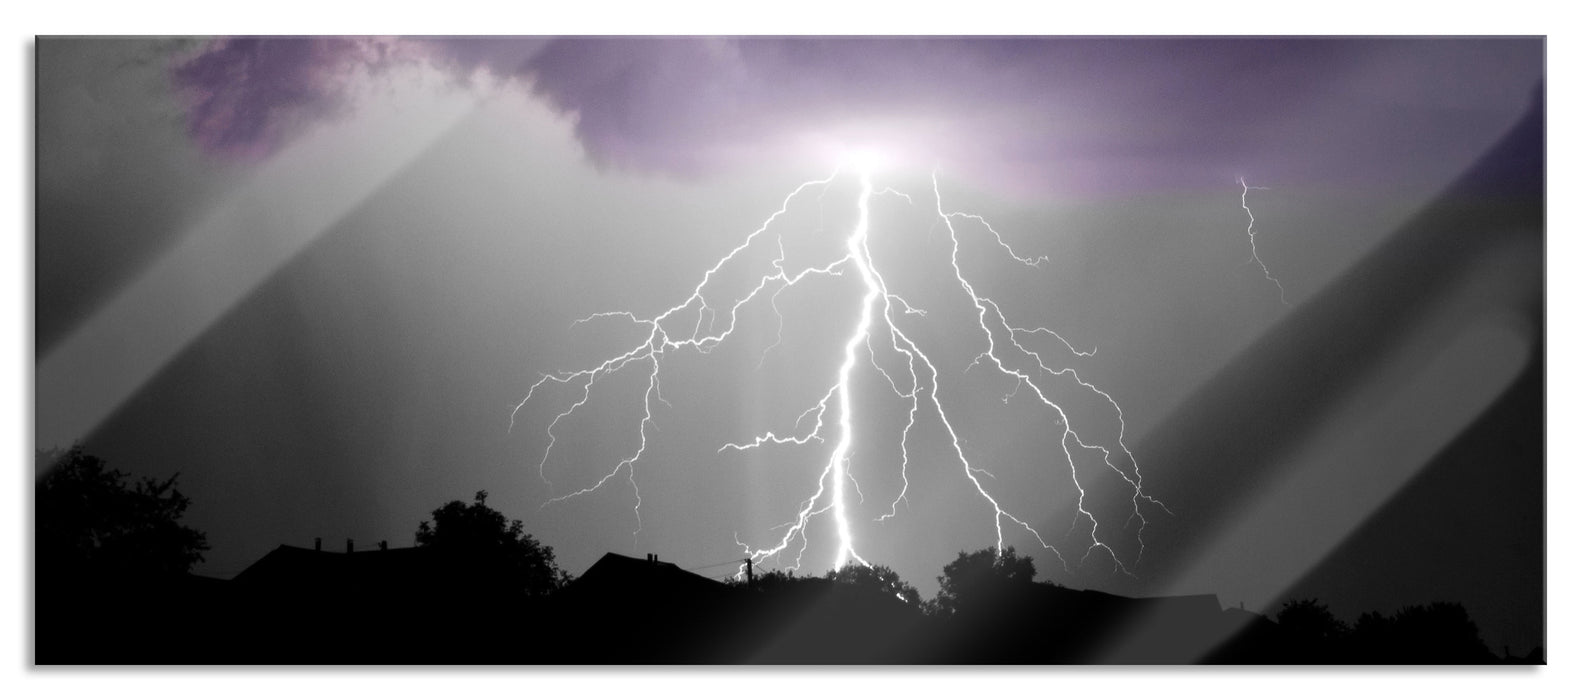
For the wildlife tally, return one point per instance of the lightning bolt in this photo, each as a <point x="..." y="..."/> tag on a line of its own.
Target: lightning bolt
<point x="1069" y="436"/>
<point x="1252" y="239"/>
<point x="652" y="348"/>
<point x="881" y="313"/>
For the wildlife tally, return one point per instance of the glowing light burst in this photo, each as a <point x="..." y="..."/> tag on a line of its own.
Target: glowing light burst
<point x="1252" y="239"/>
<point x="880" y="312"/>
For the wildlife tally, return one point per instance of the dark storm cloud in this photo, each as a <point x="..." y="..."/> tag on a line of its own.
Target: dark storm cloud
<point x="245" y="95"/>
<point x="1082" y="113"/>
<point x="248" y="96"/>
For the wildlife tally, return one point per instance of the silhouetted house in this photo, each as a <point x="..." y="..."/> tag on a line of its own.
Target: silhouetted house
<point x="1038" y="623"/>
<point x="414" y="581"/>
<point x="390" y="575"/>
<point x="1178" y="612"/>
<point x="388" y="605"/>
<point x="1168" y="630"/>
<point x="629" y="610"/>
<point x="623" y="577"/>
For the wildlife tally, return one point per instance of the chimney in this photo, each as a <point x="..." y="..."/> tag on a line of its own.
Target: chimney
<point x="653" y="558"/>
<point x="384" y="545"/>
<point x="348" y="545"/>
<point x="318" y="544"/>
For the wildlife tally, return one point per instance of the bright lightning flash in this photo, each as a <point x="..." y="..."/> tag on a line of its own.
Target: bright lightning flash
<point x="881" y="313"/>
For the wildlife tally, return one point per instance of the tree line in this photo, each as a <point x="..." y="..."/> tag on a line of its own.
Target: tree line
<point x="96" y="527"/>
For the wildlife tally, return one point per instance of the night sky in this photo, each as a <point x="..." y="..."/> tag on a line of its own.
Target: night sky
<point x="315" y="277"/>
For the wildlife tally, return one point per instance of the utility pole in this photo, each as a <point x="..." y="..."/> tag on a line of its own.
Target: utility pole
<point x="749" y="562"/>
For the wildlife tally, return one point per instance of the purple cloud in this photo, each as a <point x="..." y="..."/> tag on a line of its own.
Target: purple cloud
<point x="246" y="96"/>
<point x="1034" y="112"/>
<point x="1027" y="112"/>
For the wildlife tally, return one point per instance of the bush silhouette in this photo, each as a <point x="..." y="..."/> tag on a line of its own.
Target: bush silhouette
<point x="1435" y="633"/>
<point x="1311" y="620"/>
<point x="878" y="578"/>
<point x="764" y="580"/>
<point x="481" y="536"/>
<point x="91" y="522"/>
<point x="975" y="578"/>
<point x="112" y="564"/>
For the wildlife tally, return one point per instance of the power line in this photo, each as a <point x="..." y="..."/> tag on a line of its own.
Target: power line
<point x="710" y="566"/>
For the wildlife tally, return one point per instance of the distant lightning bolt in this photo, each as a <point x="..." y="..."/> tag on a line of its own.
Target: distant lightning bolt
<point x="1252" y="239"/>
<point x="881" y="312"/>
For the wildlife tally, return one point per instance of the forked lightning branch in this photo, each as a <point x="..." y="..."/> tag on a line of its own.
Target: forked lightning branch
<point x="883" y="319"/>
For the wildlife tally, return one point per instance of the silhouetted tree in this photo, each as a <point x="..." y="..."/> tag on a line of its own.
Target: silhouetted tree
<point x="1435" y="633"/>
<point x="482" y="536"/>
<point x="974" y="577"/>
<point x="1374" y="636"/>
<point x="111" y="562"/>
<point x="1442" y="628"/>
<point x="765" y="579"/>
<point x="91" y="522"/>
<point x="1312" y="619"/>
<point x="877" y="578"/>
<point x="1311" y="631"/>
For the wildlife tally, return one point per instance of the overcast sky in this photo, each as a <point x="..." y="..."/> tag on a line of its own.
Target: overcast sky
<point x="315" y="277"/>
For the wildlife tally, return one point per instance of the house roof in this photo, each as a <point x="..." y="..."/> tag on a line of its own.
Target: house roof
<point x="289" y="570"/>
<point x="615" y="573"/>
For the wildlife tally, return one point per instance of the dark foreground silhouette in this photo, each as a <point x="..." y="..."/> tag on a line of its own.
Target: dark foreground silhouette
<point x="427" y="605"/>
<point x="113" y="587"/>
